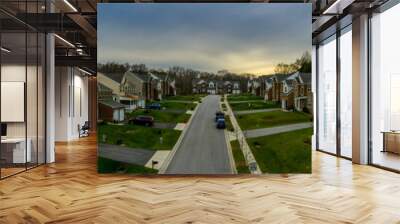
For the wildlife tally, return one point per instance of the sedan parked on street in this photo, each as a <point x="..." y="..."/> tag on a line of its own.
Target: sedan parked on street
<point x="142" y="120"/>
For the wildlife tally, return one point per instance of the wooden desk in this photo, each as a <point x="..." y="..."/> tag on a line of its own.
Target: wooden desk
<point x="391" y="141"/>
<point x="16" y="147"/>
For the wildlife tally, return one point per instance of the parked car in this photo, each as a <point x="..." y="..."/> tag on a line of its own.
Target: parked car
<point x="221" y="123"/>
<point x="218" y="115"/>
<point x="154" y="106"/>
<point x="142" y="120"/>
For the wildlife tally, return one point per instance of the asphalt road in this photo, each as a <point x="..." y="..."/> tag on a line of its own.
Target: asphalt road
<point x="203" y="149"/>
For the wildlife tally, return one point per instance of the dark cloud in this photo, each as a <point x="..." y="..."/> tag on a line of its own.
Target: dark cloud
<point x="237" y="37"/>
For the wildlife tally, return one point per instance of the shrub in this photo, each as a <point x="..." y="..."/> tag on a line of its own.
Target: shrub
<point x="119" y="142"/>
<point x="306" y="110"/>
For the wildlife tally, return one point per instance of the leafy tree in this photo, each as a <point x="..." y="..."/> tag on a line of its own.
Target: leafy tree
<point x="302" y="64"/>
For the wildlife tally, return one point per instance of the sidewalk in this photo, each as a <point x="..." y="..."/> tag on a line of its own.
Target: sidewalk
<point x="256" y="111"/>
<point x="248" y="155"/>
<point x="276" y="130"/>
<point x="245" y="101"/>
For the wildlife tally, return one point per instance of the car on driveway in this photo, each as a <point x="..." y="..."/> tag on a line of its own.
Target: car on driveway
<point x="218" y="115"/>
<point x="154" y="106"/>
<point x="221" y="123"/>
<point x="142" y="120"/>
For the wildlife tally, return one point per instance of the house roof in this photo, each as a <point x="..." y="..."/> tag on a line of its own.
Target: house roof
<point x="161" y="75"/>
<point x="103" y="88"/>
<point x="289" y="82"/>
<point x="268" y="80"/>
<point x="112" y="104"/>
<point x="281" y="77"/>
<point x="198" y="81"/>
<point x="115" y="76"/>
<point x="305" y="78"/>
<point x="144" y="76"/>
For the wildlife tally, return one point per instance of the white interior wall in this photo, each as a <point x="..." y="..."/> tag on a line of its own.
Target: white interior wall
<point x="71" y="102"/>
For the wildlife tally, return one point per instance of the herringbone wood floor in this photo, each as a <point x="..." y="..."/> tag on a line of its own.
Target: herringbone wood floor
<point x="70" y="191"/>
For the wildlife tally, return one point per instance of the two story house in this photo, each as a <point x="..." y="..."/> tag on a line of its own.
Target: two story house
<point x="268" y="88"/>
<point x="277" y="86"/>
<point x="255" y="86"/>
<point x="212" y="87"/>
<point x="199" y="86"/>
<point x="287" y="95"/>
<point x="302" y="92"/>
<point x="236" y="87"/>
<point x="108" y="109"/>
<point x="167" y="83"/>
<point x="121" y="93"/>
<point x="132" y="88"/>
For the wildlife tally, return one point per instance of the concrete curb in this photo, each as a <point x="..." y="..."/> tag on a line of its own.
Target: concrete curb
<point x="171" y="155"/>
<point x="228" y="145"/>
<point x="244" y="146"/>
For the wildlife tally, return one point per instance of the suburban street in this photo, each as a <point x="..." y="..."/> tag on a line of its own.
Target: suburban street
<point x="203" y="149"/>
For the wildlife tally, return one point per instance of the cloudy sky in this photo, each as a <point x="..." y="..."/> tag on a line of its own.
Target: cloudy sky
<point x="242" y="38"/>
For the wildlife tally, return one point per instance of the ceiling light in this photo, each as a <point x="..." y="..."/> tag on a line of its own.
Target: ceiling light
<point x="5" y="50"/>
<point x="70" y="5"/>
<point x="65" y="41"/>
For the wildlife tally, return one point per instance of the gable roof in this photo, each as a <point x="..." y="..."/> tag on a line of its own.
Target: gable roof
<point x="161" y="75"/>
<point x="112" y="104"/>
<point x="281" y="77"/>
<point x="103" y="88"/>
<point x="305" y="78"/>
<point x="144" y="76"/>
<point x="289" y="82"/>
<point x="115" y="76"/>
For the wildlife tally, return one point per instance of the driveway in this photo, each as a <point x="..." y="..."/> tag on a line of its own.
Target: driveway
<point x="203" y="149"/>
<point x="125" y="154"/>
<point x="164" y="125"/>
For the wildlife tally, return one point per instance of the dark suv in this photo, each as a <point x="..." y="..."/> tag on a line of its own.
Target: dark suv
<point x="142" y="120"/>
<point x="221" y="123"/>
<point x="219" y="115"/>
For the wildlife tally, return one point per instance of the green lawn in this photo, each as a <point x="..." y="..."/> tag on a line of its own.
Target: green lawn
<point x="238" y="156"/>
<point x="244" y="97"/>
<point x="271" y="119"/>
<point x="162" y="116"/>
<point x="105" y="165"/>
<point x="288" y="152"/>
<point x="138" y="136"/>
<point x="195" y="97"/>
<point x="170" y="105"/>
<point x="254" y="105"/>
